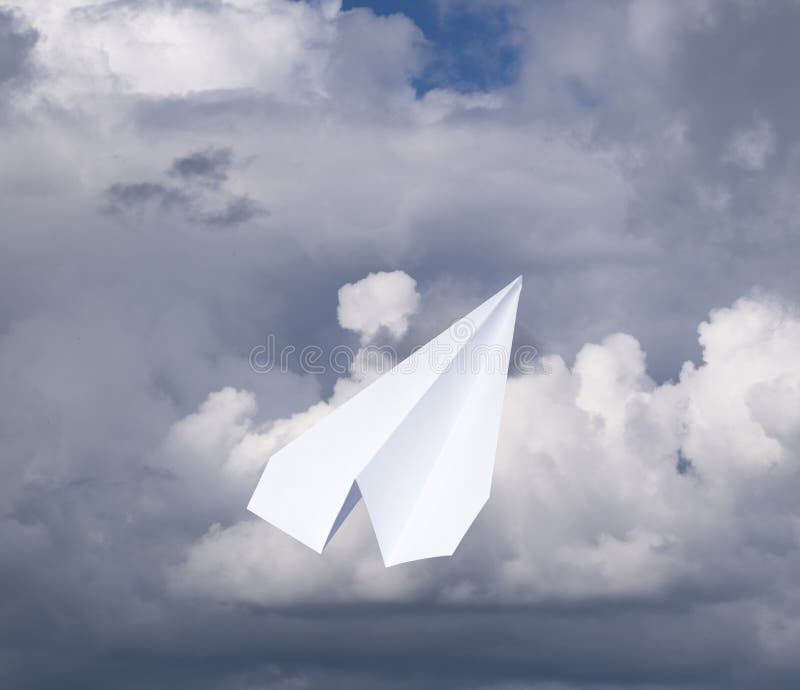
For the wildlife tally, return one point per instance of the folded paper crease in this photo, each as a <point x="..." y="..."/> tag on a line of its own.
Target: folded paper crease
<point x="417" y="444"/>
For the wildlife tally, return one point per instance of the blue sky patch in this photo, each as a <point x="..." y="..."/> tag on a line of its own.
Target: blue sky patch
<point x="473" y="48"/>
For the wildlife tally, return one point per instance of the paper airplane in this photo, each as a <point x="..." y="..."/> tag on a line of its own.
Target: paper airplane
<point x="417" y="444"/>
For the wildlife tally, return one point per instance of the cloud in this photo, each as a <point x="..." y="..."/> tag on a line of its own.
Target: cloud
<point x="643" y="525"/>
<point x="238" y="210"/>
<point x="750" y="147"/>
<point x="210" y="204"/>
<point x="210" y="167"/>
<point x="176" y="47"/>
<point x="591" y="497"/>
<point x="296" y="52"/>
<point x="381" y="300"/>
<point x="123" y="197"/>
<point x="17" y="41"/>
<point x="655" y="27"/>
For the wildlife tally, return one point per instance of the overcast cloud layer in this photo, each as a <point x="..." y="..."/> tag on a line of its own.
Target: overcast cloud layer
<point x="182" y="181"/>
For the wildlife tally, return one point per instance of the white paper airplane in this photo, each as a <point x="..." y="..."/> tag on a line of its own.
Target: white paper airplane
<point x="418" y="445"/>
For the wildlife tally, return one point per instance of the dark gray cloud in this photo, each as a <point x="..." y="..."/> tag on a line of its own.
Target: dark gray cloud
<point x="16" y="43"/>
<point x="125" y="197"/>
<point x="409" y="647"/>
<point x="239" y="210"/>
<point x="210" y="167"/>
<point x="608" y="173"/>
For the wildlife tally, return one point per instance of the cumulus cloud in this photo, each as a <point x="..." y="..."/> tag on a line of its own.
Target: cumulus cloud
<point x="294" y="52"/>
<point x="601" y="155"/>
<point x="175" y="47"/>
<point x="220" y="440"/>
<point x="381" y="300"/>
<point x="592" y="497"/>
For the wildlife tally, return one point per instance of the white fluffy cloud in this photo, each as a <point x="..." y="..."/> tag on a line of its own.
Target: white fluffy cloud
<point x="219" y="449"/>
<point x="607" y="484"/>
<point x="174" y="48"/>
<point x="381" y="300"/>
<point x="293" y="52"/>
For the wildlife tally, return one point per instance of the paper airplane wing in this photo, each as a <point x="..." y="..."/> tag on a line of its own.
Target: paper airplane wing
<point x="418" y="444"/>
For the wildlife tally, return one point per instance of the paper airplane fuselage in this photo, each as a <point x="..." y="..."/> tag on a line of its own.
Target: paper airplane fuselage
<point x="418" y="445"/>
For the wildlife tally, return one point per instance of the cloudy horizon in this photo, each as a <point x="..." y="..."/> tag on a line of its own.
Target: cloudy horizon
<point x="187" y="183"/>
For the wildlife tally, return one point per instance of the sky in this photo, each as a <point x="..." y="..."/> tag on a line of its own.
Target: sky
<point x="183" y="182"/>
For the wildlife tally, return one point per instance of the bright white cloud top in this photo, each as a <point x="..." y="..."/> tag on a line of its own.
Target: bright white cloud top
<point x="418" y="445"/>
<point x="381" y="300"/>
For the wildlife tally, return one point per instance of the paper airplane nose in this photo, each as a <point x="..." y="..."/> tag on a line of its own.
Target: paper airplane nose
<point x="418" y="445"/>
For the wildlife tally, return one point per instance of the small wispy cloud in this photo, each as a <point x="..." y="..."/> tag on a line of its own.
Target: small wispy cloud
<point x="207" y="203"/>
